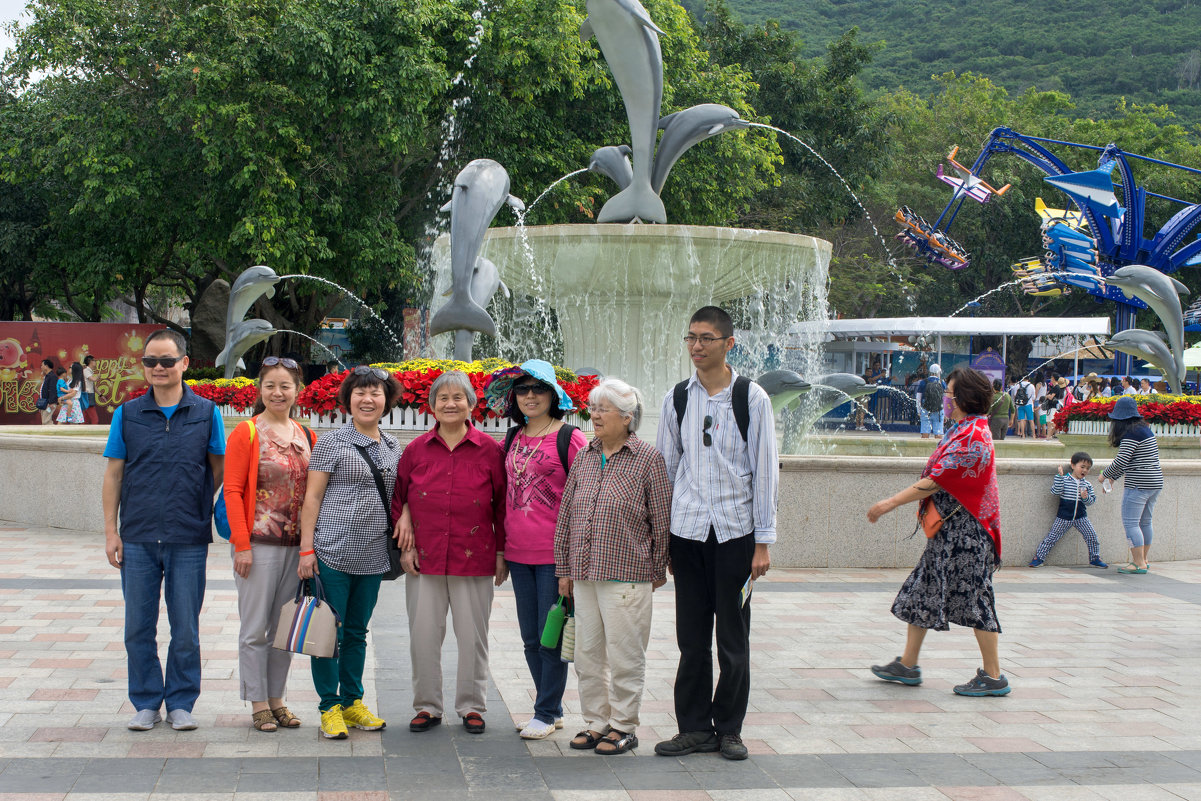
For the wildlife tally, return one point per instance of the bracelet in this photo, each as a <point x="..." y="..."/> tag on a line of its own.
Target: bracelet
<point x="308" y="553"/>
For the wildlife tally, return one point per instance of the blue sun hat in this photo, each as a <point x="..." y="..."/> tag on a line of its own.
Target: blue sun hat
<point x="499" y="388"/>
<point x="1124" y="409"/>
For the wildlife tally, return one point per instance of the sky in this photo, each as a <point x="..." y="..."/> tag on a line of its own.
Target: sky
<point x="9" y="11"/>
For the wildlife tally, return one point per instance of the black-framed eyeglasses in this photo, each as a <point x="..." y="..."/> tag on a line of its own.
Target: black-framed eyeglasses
<point x="271" y="361"/>
<point x="537" y="389"/>
<point x="706" y="340"/>
<point x="364" y="369"/>
<point x="161" y="361"/>
<point x="706" y="437"/>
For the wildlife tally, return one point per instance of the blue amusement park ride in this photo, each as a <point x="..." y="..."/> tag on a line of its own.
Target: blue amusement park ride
<point x="1080" y="248"/>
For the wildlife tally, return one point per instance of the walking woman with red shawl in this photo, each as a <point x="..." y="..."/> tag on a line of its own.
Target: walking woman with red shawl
<point x="953" y="581"/>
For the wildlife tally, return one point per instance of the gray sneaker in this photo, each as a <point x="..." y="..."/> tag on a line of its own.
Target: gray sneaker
<point x="895" y="671"/>
<point x="984" y="684"/>
<point x="144" y="720"/>
<point x="181" y="720"/>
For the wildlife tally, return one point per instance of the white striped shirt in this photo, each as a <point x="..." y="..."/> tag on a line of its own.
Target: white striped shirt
<point x="1137" y="460"/>
<point x="731" y="485"/>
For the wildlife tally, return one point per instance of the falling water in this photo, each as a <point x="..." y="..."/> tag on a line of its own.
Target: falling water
<point x="391" y="334"/>
<point x="1014" y="282"/>
<point x="546" y="192"/>
<point x="323" y="346"/>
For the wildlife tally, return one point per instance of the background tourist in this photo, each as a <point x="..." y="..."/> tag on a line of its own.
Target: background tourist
<point x="610" y="555"/>
<point x="266" y="471"/>
<point x="1138" y="462"/>
<point x="1040" y="410"/>
<point x="452" y="485"/>
<point x="1023" y="401"/>
<point x="930" y="395"/>
<point x="1145" y="387"/>
<point x="160" y="480"/>
<point x="1128" y="385"/>
<point x="344" y="530"/>
<point x="1075" y="496"/>
<point x="999" y="411"/>
<point x="48" y="396"/>
<point x="69" y="388"/>
<point x="539" y="451"/>
<point x="90" y="414"/>
<point x="723" y="519"/>
<point x="952" y="582"/>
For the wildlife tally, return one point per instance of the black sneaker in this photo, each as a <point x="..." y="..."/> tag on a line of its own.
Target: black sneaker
<point x="984" y="684"/>
<point x="732" y="747"/>
<point x="704" y="742"/>
<point x="895" y="671"/>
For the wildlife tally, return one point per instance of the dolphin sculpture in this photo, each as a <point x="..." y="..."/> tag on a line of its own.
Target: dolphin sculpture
<point x="246" y="335"/>
<point x="1162" y="293"/>
<point x="836" y="389"/>
<point x="484" y="283"/>
<point x="684" y="129"/>
<point x="253" y="283"/>
<point x="629" y="41"/>
<point x="480" y="189"/>
<point x="1148" y="345"/>
<point x="613" y="162"/>
<point x="783" y="387"/>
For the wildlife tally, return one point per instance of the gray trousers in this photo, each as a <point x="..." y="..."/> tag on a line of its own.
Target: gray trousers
<point x="271" y="583"/>
<point x="469" y="599"/>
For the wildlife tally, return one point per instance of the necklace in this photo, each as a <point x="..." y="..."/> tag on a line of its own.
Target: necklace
<point x="519" y="470"/>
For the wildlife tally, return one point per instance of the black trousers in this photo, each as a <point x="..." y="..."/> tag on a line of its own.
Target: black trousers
<point x="708" y="579"/>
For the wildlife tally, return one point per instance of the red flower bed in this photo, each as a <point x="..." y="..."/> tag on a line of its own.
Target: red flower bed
<point x="1151" y="407"/>
<point x="240" y="398"/>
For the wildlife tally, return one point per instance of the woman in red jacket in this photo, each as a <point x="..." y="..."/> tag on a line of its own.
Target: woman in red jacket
<point x="266" y="468"/>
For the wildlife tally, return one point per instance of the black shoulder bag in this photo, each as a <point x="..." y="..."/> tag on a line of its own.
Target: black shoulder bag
<point x="395" y="571"/>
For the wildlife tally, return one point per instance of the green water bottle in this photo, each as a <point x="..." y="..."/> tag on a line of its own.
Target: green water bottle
<point x="555" y="618"/>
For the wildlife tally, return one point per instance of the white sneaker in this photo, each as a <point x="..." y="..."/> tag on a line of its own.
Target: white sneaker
<point x="537" y="730"/>
<point x="526" y="724"/>
<point x="181" y="720"/>
<point x="144" y="720"/>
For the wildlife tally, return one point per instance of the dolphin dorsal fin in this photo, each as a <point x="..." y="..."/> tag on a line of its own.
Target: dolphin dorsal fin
<point x="1180" y="288"/>
<point x="586" y="30"/>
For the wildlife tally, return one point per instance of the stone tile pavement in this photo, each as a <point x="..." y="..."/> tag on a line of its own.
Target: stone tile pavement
<point x="1106" y="702"/>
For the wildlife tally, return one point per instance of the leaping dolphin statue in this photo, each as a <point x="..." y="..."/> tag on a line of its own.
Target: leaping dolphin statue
<point x="480" y="189"/>
<point x="783" y="387"/>
<point x="613" y="162"/>
<point x="249" y="286"/>
<point x="246" y="335"/>
<point x="684" y="129"/>
<point x="836" y="389"/>
<point x="484" y="283"/>
<point x="1162" y="293"/>
<point x="1149" y="346"/>
<point x="629" y="41"/>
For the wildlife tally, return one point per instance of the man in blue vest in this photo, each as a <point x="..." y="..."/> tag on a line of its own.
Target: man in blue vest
<point x="166" y="453"/>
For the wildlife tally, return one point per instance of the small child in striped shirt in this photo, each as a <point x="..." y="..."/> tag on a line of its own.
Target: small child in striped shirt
<point x="1075" y="496"/>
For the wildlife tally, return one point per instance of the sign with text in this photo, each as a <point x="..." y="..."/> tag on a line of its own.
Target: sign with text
<point x="116" y="348"/>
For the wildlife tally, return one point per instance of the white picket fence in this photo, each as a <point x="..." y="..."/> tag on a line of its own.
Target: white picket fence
<point x="1101" y="427"/>
<point x="408" y="419"/>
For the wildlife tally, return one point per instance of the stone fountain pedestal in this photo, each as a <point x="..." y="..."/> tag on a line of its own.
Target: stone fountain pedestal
<point x="623" y="293"/>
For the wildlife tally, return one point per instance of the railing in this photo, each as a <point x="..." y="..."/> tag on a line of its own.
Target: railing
<point x="1101" y="428"/>
<point x="887" y="405"/>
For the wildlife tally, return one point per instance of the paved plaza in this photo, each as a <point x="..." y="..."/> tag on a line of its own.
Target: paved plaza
<point x="1106" y="703"/>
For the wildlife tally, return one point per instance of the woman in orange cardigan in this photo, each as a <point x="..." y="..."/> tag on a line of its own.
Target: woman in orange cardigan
<point x="266" y="470"/>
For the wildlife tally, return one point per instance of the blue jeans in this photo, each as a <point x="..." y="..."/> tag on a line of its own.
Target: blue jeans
<point x="536" y="589"/>
<point x="931" y="421"/>
<point x="178" y="571"/>
<point x="1137" y="506"/>
<point x="339" y="680"/>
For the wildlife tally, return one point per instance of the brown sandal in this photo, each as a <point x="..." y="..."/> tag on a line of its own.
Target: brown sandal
<point x="263" y="721"/>
<point x="285" y="718"/>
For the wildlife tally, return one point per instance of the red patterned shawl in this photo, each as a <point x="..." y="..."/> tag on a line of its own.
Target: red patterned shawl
<point x="964" y="465"/>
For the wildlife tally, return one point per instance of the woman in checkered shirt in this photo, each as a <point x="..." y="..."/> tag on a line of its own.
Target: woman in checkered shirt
<point x="610" y="555"/>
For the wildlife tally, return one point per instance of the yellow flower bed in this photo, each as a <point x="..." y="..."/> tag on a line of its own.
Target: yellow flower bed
<point x="240" y="381"/>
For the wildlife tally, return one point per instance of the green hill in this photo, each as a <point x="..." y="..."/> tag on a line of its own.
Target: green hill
<point x="1147" y="52"/>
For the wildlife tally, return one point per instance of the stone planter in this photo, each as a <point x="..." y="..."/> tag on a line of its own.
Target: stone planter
<point x="1175" y="441"/>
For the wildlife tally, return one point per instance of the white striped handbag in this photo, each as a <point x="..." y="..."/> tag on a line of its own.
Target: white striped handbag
<point x="308" y="624"/>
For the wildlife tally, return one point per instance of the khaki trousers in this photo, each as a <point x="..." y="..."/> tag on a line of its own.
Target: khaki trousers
<point x="612" y="630"/>
<point x="469" y="599"/>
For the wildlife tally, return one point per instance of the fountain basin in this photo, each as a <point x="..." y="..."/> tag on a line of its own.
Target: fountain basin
<point x="623" y="293"/>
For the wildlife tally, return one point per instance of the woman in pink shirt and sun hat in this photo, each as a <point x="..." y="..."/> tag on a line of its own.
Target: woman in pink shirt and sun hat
<point x="538" y="453"/>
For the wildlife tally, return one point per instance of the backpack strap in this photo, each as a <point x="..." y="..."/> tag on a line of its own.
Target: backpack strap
<point x="679" y="398"/>
<point x="742" y="404"/>
<point x="564" y="444"/>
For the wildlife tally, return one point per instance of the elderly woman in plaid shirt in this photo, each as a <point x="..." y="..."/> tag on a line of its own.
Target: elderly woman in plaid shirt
<point x="610" y="555"/>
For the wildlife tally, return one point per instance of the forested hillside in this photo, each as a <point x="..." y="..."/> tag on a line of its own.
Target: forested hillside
<point x="1147" y="52"/>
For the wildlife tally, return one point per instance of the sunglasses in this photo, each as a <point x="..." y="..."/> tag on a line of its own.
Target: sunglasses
<point x="706" y="437"/>
<point x="161" y="361"/>
<point x="271" y="361"/>
<point x="363" y="369"/>
<point x="537" y="389"/>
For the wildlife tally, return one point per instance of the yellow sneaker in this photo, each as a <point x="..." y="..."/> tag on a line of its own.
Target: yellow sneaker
<point x="359" y="716"/>
<point x="333" y="727"/>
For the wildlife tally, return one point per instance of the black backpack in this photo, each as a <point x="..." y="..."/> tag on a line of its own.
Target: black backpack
<point x="1022" y="398"/>
<point x="740" y="398"/>
<point x="932" y="395"/>
<point x="563" y="442"/>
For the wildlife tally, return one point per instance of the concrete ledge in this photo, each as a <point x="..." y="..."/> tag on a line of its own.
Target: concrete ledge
<point x="55" y="481"/>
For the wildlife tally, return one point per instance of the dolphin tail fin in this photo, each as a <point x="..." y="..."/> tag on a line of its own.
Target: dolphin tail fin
<point x="462" y="315"/>
<point x="635" y="201"/>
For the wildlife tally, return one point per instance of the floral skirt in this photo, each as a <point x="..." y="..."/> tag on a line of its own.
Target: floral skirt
<point x="953" y="581"/>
